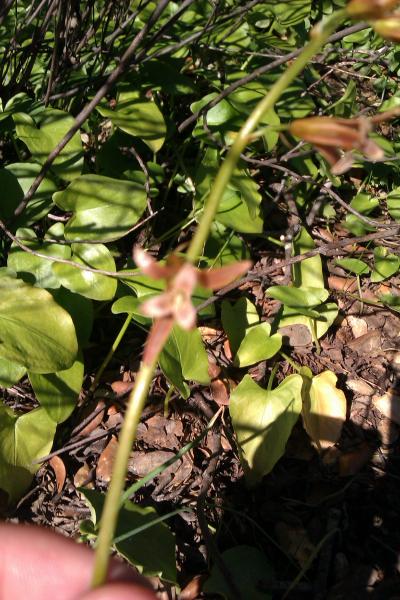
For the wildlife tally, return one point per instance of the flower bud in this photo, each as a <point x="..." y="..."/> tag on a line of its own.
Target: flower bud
<point x="370" y="9"/>
<point x="388" y="28"/>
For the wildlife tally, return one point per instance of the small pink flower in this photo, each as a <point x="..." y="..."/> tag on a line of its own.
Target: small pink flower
<point x="175" y="304"/>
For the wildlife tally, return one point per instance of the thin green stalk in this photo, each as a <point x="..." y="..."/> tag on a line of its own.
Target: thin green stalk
<point x="110" y="353"/>
<point x="138" y="396"/>
<point x="136" y="403"/>
<point x="320" y="36"/>
<point x="272" y="377"/>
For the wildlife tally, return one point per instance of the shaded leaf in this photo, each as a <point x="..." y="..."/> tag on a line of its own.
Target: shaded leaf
<point x="58" y="392"/>
<point x="247" y="567"/>
<point x="23" y="439"/>
<point x="35" y="331"/>
<point x="43" y="133"/>
<point x="151" y="550"/>
<point x="139" y="117"/>
<point x="105" y="208"/>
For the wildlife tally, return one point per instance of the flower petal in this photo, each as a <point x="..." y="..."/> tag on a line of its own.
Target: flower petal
<point x="159" y="306"/>
<point x="148" y="265"/>
<point x="215" y="279"/>
<point x="185" y="315"/>
<point x="156" y="339"/>
<point x="185" y="280"/>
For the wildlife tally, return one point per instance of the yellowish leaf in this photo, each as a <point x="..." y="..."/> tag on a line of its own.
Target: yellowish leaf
<point x="324" y="409"/>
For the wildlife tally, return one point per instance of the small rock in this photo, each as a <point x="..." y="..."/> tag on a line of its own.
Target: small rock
<point x="359" y="387"/>
<point x="358" y="326"/>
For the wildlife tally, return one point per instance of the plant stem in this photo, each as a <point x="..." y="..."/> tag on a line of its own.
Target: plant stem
<point x="136" y="402"/>
<point x="320" y="36"/>
<point x="138" y="396"/>
<point x="110" y="353"/>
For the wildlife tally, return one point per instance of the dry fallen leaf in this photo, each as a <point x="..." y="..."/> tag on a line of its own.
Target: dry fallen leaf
<point x="95" y="422"/>
<point x="324" y="410"/>
<point x="58" y="466"/>
<point x="106" y="461"/>
<point x="352" y="462"/>
<point x="83" y="477"/>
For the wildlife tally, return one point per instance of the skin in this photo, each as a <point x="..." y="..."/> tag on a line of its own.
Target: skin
<point x="40" y="565"/>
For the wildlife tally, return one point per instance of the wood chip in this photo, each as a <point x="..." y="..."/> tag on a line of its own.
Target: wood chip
<point x="58" y="466"/>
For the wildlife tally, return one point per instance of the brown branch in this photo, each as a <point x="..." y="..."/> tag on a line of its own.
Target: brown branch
<point x="126" y="59"/>
<point x="261" y="70"/>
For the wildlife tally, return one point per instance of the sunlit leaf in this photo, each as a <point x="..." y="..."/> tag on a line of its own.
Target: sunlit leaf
<point x="184" y="358"/>
<point x="308" y="272"/>
<point x="258" y="344"/>
<point x="263" y="421"/>
<point x="298" y="297"/>
<point x="10" y="373"/>
<point x="88" y="284"/>
<point x="34" y="269"/>
<point x="324" y="409"/>
<point x="236" y="318"/>
<point x="354" y="265"/>
<point x="386" y="264"/>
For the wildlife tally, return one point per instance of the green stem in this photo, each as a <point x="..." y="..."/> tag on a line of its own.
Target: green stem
<point x="136" y="402"/>
<point x="138" y="396"/>
<point x="272" y="377"/>
<point x="110" y="353"/>
<point x="320" y="36"/>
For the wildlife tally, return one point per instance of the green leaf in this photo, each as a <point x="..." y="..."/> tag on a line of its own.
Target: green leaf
<point x="308" y="272"/>
<point x="257" y="345"/>
<point x="184" y="358"/>
<point x="152" y="550"/>
<point x="81" y="311"/>
<point x="298" y="297"/>
<point x="138" y="117"/>
<point x="263" y="421"/>
<point x="58" y="392"/>
<point x="10" y="373"/>
<point x="236" y="318"/>
<point x="318" y="325"/>
<point x="130" y="305"/>
<point x="393" y="204"/>
<point x="354" y="265"/>
<point x="39" y="270"/>
<point x="41" y="203"/>
<point x="23" y="439"/>
<point x="88" y="284"/>
<point x="248" y="567"/>
<point x="385" y="264"/>
<point x="105" y="208"/>
<point x="324" y="409"/>
<point x="35" y="331"/>
<point x="42" y="134"/>
<point x="364" y="204"/>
